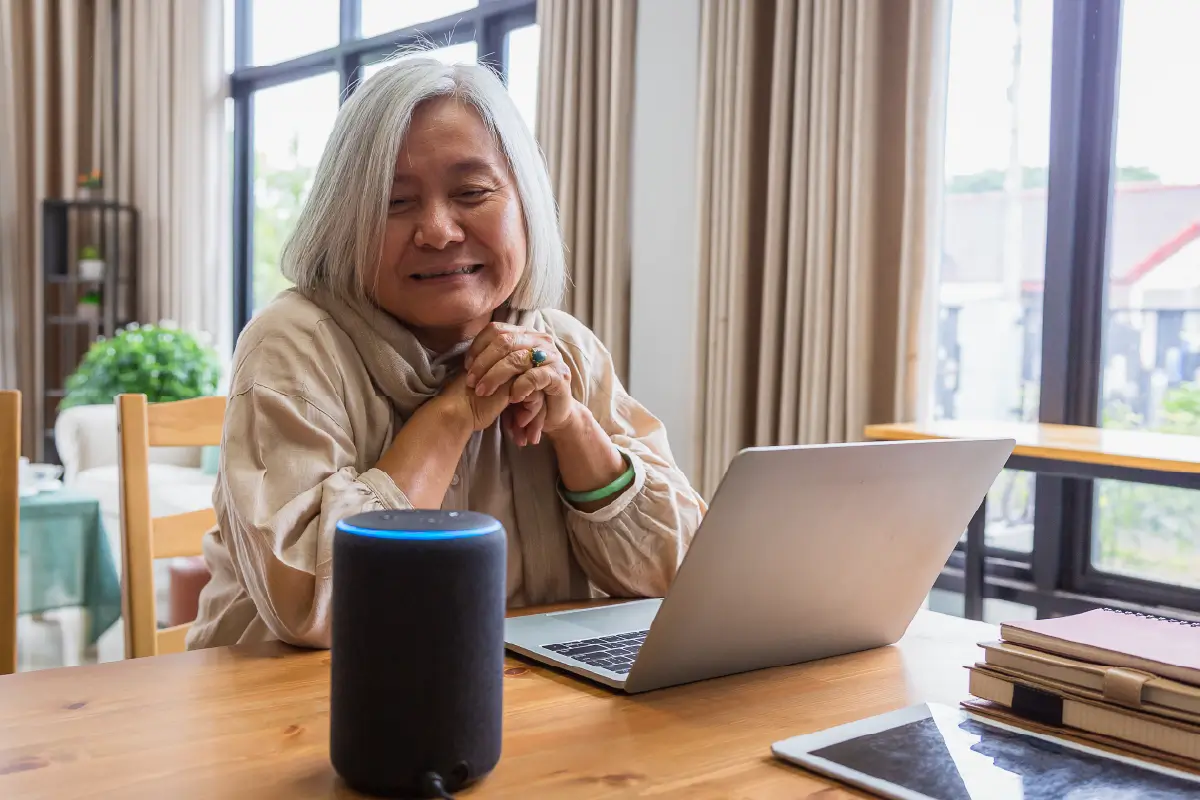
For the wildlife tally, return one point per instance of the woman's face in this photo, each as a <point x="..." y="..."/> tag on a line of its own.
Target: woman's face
<point x="454" y="245"/>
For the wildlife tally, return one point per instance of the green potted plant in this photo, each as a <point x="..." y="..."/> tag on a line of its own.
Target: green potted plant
<point x="89" y="185"/>
<point x="161" y="362"/>
<point x="89" y="306"/>
<point x="91" y="266"/>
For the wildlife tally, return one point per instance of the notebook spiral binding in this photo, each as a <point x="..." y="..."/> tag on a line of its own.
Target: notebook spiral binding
<point x="1185" y="623"/>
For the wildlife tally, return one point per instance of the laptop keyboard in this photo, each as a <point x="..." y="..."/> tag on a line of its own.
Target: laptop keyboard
<point x="613" y="653"/>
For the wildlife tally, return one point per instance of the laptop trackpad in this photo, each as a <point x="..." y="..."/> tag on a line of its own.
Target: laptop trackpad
<point x="607" y="620"/>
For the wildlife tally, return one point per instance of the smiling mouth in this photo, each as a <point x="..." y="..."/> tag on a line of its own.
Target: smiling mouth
<point x="471" y="269"/>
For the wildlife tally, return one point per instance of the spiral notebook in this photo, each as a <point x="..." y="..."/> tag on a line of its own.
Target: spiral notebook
<point x="1164" y="647"/>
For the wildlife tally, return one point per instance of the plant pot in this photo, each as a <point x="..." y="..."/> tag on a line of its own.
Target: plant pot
<point x="88" y="311"/>
<point x="91" y="269"/>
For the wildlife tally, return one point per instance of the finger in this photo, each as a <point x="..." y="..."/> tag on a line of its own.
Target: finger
<point x="488" y="338"/>
<point x="527" y="410"/>
<point x="533" y="431"/>
<point x="485" y="337"/>
<point x="503" y="346"/>
<point x="546" y="378"/>
<point x="511" y="365"/>
<point x="508" y="421"/>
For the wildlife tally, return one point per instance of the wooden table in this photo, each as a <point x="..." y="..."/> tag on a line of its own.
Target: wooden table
<point x="1068" y="451"/>
<point x="254" y="723"/>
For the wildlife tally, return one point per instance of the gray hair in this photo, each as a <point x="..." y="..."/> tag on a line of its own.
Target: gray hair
<point x="338" y="236"/>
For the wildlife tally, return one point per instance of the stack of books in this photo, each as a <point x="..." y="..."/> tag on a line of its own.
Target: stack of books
<point x="1120" y="680"/>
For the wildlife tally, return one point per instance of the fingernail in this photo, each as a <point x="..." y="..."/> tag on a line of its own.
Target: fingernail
<point x="471" y="381"/>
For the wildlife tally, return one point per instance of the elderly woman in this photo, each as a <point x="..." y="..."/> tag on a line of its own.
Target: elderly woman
<point x="420" y="363"/>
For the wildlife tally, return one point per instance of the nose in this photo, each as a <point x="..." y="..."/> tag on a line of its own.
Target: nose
<point x="436" y="227"/>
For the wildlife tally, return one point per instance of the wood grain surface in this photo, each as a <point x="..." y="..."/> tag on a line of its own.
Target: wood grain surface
<point x="253" y="722"/>
<point x="1131" y="449"/>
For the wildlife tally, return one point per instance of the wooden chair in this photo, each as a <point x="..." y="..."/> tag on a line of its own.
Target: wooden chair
<point x="142" y="425"/>
<point x="10" y="519"/>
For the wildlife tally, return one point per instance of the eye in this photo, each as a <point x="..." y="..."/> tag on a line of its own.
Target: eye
<point x="474" y="194"/>
<point x="400" y="203"/>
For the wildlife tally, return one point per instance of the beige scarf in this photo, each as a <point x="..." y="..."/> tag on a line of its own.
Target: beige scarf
<point x="403" y="372"/>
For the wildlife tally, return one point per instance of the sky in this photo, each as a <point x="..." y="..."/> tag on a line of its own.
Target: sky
<point x="1158" y="117"/>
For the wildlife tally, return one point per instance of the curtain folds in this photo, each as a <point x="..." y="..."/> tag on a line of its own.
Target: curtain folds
<point x="817" y="154"/>
<point x="160" y="147"/>
<point x="585" y="106"/>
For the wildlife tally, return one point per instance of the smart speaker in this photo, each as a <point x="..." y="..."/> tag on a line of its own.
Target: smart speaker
<point x="418" y="651"/>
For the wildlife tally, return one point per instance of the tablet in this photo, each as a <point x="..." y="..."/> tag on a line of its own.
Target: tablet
<point x="933" y="752"/>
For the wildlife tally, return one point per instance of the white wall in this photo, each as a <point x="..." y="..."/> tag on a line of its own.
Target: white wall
<point x="664" y="283"/>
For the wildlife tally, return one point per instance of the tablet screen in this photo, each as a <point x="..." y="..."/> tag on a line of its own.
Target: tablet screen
<point x="951" y="756"/>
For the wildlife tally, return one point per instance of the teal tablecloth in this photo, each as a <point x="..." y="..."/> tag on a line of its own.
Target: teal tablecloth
<point x="65" y="559"/>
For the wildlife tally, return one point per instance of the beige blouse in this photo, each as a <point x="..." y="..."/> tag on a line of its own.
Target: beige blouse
<point x="304" y="428"/>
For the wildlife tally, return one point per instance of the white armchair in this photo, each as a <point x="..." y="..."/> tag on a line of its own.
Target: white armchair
<point x="86" y="438"/>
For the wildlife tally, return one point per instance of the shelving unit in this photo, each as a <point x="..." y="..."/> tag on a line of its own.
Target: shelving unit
<point x="68" y="226"/>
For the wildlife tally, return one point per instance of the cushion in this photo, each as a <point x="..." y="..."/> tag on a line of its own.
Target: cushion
<point x="173" y="490"/>
<point x="210" y="460"/>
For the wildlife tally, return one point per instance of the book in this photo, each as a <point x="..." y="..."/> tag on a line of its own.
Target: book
<point x="1119" y="685"/>
<point x="1164" y="647"/>
<point x="1047" y="706"/>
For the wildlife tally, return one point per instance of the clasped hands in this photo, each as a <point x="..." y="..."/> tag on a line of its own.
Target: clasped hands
<point x="501" y="380"/>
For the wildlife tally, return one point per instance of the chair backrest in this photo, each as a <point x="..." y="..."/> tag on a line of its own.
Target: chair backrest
<point x="10" y="521"/>
<point x="144" y="539"/>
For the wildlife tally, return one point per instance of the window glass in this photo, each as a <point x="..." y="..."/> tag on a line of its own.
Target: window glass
<point x="291" y="123"/>
<point x="383" y="16"/>
<point x="992" y="266"/>
<point x="285" y="29"/>
<point x="454" y="54"/>
<point x="1151" y="378"/>
<point x="521" y="54"/>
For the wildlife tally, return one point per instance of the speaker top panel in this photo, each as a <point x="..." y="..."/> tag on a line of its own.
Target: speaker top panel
<point x="420" y="525"/>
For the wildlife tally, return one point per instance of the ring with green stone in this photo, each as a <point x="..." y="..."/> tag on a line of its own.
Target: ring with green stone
<point x="537" y="357"/>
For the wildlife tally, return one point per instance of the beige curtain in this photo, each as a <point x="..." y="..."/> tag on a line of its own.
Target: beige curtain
<point x="50" y="131"/>
<point x="162" y="152"/>
<point x="817" y="148"/>
<point x="170" y="147"/>
<point x="585" y="105"/>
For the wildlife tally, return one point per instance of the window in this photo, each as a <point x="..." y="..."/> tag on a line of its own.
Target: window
<point x="521" y="48"/>
<point x="382" y="16"/>
<point x="293" y="62"/>
<point x="994" y="241"/>
<point x="1069" y="279"/>
<point x="294" y="120"/>
<point x="465" y="53"/>
<point x="285" y="29"/>
<point x="1151" y="376"/>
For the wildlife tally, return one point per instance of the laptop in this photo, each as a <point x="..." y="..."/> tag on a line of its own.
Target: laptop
<point x="806" y="552"/>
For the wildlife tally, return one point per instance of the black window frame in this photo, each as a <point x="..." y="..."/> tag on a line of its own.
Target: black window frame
<point x="487" y="24"/>
<point x="1057" y="577"/>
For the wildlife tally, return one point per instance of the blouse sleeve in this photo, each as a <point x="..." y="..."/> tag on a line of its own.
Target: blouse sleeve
<point x="633" y="546"/>
<point x="288" y="475"/>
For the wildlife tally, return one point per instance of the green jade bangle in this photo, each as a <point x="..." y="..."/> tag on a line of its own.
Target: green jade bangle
<point x="620" y="484"/>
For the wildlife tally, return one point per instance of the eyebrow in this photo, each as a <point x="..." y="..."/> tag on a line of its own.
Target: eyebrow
<point x="467" y="165"/>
